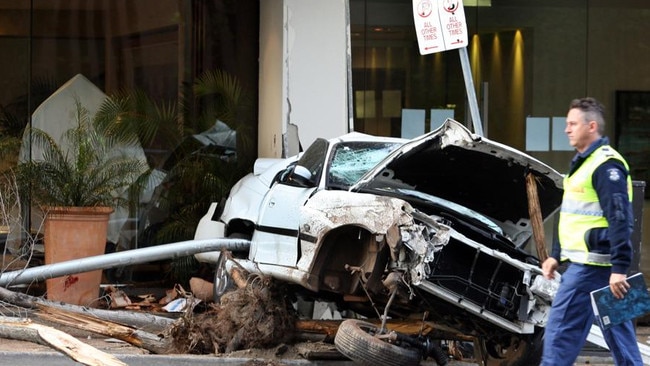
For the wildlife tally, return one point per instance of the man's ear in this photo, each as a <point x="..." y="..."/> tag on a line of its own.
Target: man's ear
<point x="593" y="126"/>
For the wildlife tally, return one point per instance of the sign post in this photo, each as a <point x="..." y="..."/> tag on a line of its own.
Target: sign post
<point x="440" y="26"/>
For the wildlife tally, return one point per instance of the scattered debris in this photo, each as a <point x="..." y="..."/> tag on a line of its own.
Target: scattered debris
<point x="140" y="320"/>
<point x="27" y="331"/>
<point x="202" y="289"/>
<point x="181" y="305"/>
<point x="117" y="298"/>
<point x="151" y="342"/>
<point x="170" y="295"/>
<point x="259" y="315"/>
<point x="256" y="320"/>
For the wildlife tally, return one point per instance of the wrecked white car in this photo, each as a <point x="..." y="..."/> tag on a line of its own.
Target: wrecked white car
<point x="434" y="228"/>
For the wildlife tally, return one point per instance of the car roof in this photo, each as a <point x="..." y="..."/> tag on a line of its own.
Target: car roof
<point x="358" y="136"/>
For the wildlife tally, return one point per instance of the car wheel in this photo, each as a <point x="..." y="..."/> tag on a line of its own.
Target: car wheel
<point x="514" y="349"/>
<point x="356" y="340"/>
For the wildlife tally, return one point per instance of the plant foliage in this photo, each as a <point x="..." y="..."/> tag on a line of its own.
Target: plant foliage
<point x="85" y="169"/>
<point x="195" y="174"/>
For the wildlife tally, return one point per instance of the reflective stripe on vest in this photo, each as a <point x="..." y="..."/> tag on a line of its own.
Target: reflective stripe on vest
<point x="581" y="210"/>
<point x="586" y="257"/>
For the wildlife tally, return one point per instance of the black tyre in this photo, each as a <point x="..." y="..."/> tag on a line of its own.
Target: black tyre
<point x="356" y="340"/>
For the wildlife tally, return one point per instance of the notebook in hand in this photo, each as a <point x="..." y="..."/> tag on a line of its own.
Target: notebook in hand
<point x="611" y="311"/>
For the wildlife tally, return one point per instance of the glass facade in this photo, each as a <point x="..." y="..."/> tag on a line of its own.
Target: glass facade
<point x="174" y="70"/>
<point x="529" y="58"/>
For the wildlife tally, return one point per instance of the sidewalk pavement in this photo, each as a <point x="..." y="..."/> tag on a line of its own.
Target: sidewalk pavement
<point x="591" y="355"/>
<point x="10" y="350"/>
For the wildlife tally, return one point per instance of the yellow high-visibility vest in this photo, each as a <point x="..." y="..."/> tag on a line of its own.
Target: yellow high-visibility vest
<point x="581" y="210"/>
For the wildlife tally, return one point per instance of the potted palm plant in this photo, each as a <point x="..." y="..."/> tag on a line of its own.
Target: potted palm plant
<point x="77" y="183"/>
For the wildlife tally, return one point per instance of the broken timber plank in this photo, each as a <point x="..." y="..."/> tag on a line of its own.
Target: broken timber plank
<point x="326" y="327"/>
<point x="143" y="321"/>
<point x="136" y="337"/>
<point x="535" y="213"/>
<point x="60" y="341"/>
<point x="404" y="326"/>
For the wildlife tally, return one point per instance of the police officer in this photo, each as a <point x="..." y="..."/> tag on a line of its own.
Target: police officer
<point x="594" y="232"/>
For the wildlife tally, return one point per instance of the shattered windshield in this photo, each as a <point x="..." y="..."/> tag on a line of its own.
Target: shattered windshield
<point x="351" y="160"/>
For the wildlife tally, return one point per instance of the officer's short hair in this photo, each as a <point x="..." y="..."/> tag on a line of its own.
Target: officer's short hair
<point x="592" y="110"/>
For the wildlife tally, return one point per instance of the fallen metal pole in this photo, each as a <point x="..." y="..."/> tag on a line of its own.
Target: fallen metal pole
<point x="118" y="259"/>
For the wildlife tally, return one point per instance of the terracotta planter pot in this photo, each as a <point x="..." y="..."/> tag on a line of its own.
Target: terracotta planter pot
<point x="73" y="233"/>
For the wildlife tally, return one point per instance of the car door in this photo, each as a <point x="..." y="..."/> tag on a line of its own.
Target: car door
<point x="277" y="232"/>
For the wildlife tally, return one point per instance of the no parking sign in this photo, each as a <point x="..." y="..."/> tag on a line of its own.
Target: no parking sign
<point x="440" y="25"/>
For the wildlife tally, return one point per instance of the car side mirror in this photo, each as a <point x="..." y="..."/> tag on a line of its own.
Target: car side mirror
<point x="301" y="176"/>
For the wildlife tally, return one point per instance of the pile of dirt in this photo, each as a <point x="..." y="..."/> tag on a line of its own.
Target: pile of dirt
<point x="259" y="315"/>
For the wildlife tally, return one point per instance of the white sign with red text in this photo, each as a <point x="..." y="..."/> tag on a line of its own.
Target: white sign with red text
<point x="440" y="25"/>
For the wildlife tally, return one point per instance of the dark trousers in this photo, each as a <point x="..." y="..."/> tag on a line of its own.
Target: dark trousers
<point x="572" y="316"/>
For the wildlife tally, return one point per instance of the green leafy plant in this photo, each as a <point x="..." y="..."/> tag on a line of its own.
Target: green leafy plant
<point x="87" y="171"/>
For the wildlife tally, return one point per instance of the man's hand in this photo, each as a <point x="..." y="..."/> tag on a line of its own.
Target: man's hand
<point x="618" y="284"/>
<point x="548" y="268"/>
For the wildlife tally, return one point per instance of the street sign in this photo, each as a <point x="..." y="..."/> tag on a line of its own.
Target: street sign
<point x="440" y="25"/>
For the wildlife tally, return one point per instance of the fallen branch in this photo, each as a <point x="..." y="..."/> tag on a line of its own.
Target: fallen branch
<point x="136" y="337"/>
<point x="60" y="341"/>
<point x="128" y="326"/>
<point x="143" y="321"/>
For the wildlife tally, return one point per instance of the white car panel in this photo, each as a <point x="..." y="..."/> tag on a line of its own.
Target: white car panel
<point x="442" y="219"/>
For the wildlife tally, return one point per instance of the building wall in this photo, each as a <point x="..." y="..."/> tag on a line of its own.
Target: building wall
<point x="569" y="48"/>
<point x="303" y="71"/>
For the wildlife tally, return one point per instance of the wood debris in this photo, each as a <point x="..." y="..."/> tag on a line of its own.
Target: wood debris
<point x="150" y="342"/>
<point x="256" y="314"/>
<point x="141" y="320"/>
<point x="58" y="340"/>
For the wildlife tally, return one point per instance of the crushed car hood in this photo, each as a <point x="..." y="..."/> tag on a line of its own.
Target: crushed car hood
<point x="469" y="170"/>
